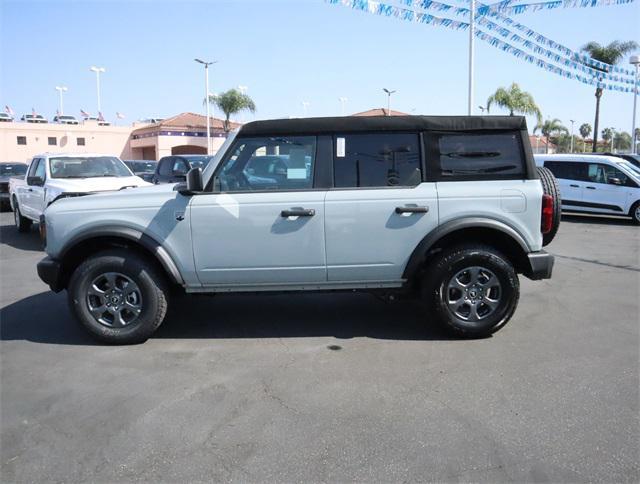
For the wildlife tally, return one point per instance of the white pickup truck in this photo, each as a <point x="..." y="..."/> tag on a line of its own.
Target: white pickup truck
<point x="53" y="176"/>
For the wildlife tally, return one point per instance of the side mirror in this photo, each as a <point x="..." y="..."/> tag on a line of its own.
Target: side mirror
<point x="194" y="180"/>
<point x="615" y="181"/>
<point x="35" y="181"/>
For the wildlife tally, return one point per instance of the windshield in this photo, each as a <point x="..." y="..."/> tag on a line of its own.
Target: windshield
<point x="198" y="161"/>
<point x="143" y="167"/>
<point x="630" y="167"/>
<point x="87" y="167"/>
<point x="12" y="169"/>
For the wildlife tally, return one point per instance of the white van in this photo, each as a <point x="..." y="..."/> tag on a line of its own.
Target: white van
<point x="596" y="183"/>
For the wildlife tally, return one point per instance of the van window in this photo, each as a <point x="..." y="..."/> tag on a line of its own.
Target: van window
<point x="601" y="173"/>
<point x="462" y="155"/>
<point x="568" y="170"/>
<point x="377" y="160"/>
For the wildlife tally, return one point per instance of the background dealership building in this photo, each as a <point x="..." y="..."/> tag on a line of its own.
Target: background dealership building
<point x="181" y="134"/>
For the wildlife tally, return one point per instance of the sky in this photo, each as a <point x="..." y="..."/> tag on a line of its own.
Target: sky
<point x="285" y="52"/>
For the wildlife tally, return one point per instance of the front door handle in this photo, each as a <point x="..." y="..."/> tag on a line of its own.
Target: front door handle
<point x="591" y="188"/>
<point x="400" y="210"/>
<point x="574" y="186"/>
<point x="298" y="212"/>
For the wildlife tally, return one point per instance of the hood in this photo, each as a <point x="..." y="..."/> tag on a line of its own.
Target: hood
<point x="98" y="184"/>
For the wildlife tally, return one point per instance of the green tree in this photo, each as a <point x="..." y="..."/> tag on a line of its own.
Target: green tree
<point x="622" y="140"/>
<point x="609" y="54"/>
<point x="551" y="127"/>
<point x="585" y="130"/>
<point x="515" y="100"/>
<point x="232" y="102"/>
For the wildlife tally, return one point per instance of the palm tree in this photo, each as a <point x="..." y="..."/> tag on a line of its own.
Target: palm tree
<point x="515" y="100"/>
<point x="607" y="135"/>
<point x="609" y="54"/>
<point x="585" y="130"/>
<point x="232" y="102"/>
<point x="550" y="128"/>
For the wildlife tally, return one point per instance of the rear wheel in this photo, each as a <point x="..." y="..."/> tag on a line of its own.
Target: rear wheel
<point x="471" y="290"/>
<point x="23" y="224"/>
<point x="119" y="297"/>
<point x="550" y="187"/>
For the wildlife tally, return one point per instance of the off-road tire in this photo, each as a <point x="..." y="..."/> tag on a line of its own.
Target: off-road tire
<point x="143" y="272"/>
<point x="23" y="224"/>
<point x="444" y="266"/>
<point x="550" y="187"/>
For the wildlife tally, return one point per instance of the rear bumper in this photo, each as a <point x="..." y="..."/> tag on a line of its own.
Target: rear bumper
<point x="50" y="272"/>
<point x="540" y="265"/>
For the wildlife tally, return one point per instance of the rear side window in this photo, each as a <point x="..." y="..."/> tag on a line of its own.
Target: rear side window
<point x="567" y="170"/>
<point x="460" y="155"/>
<point x="377" y="160"/>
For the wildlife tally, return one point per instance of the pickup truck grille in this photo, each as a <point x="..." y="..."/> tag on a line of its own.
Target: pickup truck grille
<point x="4" y="187"/>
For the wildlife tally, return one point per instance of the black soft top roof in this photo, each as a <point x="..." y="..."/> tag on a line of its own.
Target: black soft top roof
<point x="346" y="124"/>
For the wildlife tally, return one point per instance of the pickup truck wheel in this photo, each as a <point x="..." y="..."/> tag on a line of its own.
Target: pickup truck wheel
<point x="23" y="224"/>
<point x="471" y="290"/>
<point x="550" y="187"/>
<point x="119" y="297"/>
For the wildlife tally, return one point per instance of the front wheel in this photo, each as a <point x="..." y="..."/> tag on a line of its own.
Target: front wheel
<point x="471" y="290"/>
<point x="635" y="213"/>
<point x="118" y="296"/>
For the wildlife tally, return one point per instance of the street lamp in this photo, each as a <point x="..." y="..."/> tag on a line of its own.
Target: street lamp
<point x="206" y="99"/>
<point x="343" y="101"/>
<point x="572" y="123"/>
<point x="60" y="90"/>
<point x="613" y="135"/>
<point x="389" y="93"/>
<point x="243" y="91"/>
<point x="98" y="70"/>
<point x="635" y="61"/>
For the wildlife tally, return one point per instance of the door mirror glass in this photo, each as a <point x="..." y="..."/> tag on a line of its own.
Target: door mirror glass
<point x="35" y="181"/>
<point x="615" y="181"/>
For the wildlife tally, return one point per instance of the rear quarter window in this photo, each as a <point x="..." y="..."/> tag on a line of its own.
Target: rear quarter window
<point x="470" y="156"/>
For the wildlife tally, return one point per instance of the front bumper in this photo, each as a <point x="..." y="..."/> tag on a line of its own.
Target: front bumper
<point x="540" y="265"/>
<point x="50" y="272"/>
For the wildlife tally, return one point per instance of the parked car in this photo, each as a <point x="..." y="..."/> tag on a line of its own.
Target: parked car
<point x="596" y="184"/>
<point x="65" y="119"/>
<point x="631" y="158"/>
<point x="5" y="117"/>
<point x="33" y="118"/>
<point x="53" y="176"/>
<point x="444" y="209"/>
<point x="145" y="169"/>
<point x="9" y="170"/>
<point x="96" y="120"/>
<point x="174" y="168"/>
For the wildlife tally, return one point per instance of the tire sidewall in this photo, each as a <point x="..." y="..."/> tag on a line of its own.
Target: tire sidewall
<point x="132" y="267"/>
<point x="509" y="287"/>
<point x="634" y="213"/>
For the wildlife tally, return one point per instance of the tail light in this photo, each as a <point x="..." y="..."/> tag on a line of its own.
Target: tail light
<point x="547" y="214"/>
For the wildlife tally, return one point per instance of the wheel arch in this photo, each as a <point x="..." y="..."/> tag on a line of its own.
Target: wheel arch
<point x="85" y="244"/>
<point x="482" y="230"/>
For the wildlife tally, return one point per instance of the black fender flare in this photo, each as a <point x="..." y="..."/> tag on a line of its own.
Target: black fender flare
<point x="422" y="249"/>
<point x="134" y="235"/>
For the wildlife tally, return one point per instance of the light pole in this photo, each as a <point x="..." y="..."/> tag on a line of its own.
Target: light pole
<point x="613" y="135"/>
<point x="98" y="70"/>
<point x="60" y="90"/>
<point x="206" y="99"/>
<point x="537" y="143"/>
<point x="343" y="101"/>
<point x="305" y="107"/>
<point x="572" y="121"/>
<point x="389" y="93"/>
<point x="635" y="61"/>
<point x="472" y="39"/>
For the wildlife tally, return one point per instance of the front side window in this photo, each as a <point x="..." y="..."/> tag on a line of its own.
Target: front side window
<point x="599" y="173"/>
<point x="34" y="166"/>
<point x="270" y="163"/>
<point x="87" y="167"/>
<point x="377" y="160"/>
<point x="180" y="167"/>
<point x="40" y="169"/>
<point x="478" y="155"/>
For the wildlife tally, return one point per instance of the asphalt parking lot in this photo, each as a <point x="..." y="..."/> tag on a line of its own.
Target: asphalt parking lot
<point x="331" y="387"/>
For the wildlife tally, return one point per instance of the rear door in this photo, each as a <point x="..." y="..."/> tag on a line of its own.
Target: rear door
<point x="379" y="208"/>
<point x="571" y="177"/>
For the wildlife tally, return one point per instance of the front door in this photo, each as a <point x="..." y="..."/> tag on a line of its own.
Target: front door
<point x="263" y="226"/>
<point x="379" y="210"/>
<point x="601" y="193"/>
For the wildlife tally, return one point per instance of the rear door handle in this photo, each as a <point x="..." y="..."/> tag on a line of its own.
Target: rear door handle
<point x="574" y="186"/>
<point x="400" y="210"/>
<point x="591" y="188"/>
<point x="298" y="212"/>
